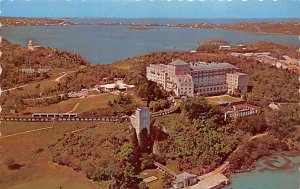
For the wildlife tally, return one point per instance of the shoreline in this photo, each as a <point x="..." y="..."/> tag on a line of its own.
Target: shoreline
<point x="273" y="28"/>
<point x="268" y="164"/>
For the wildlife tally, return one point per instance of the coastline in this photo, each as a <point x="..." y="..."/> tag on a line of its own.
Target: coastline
<point x="283" y="165"/>
<point x="290" y="28"/>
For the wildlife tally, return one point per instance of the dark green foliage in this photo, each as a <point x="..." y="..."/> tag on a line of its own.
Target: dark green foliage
<point x="195" y="146"/>
<point x="147" y="161"/>
<point x="255" y="149"/>
<point x="144" y="141"/>
<point x="282" y="123"/>
<point x="253" y="124"/>
<point x="12" y="164"/>
<point x="196" y="108"/>
<point x="148" y="90"/>
<point x="159" y="105"/>
<point x="166" y="181"/>
<point x="88" y="169"/>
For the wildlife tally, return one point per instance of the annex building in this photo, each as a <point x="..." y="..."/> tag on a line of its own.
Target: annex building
<point x="198" y="78"/>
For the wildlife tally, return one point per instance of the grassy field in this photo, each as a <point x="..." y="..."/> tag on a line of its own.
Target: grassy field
<point x="8" y="128"/>
<point x="222" y="99"/>
<point x="99" y="101"/>
<point x="61" y="107"/>
<point x="84" y="104"/>
<point x="31" y="150"/>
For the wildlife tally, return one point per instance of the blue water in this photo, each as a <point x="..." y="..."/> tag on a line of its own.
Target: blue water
<point x="106" y="44"/>
<point x="266" y="176"/>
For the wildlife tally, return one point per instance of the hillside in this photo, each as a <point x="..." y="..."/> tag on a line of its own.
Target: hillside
<point x="15" y="57"/>
<point x="268" y="83"/>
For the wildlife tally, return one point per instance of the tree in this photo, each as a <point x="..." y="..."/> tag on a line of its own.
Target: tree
<point x="88" y="169"/>
<point x="12" y="164"/>
<point x="149" y="90"/>
<point x="166" y="180"/>
<point x="253" y="124"/>
<point x="196" y="108"/>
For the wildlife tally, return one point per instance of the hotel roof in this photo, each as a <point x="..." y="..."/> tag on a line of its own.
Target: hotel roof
<point x="209" y="66"/>
<point x="178" y="62"/>
<point x="184" y="76"/>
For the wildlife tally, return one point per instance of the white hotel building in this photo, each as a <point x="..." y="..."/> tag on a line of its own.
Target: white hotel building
<point x="199" y="78"/>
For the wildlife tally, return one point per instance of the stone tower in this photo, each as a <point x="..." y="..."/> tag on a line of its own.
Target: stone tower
<point x="29" y="45"/>
<point x="140" y="120"/>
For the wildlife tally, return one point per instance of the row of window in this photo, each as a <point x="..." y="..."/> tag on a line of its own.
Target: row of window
<point x="211" y="89"/>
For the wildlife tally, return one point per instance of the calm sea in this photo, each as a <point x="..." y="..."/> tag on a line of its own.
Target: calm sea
<point x="274" y="172"/>
<point x="106" y="44"/>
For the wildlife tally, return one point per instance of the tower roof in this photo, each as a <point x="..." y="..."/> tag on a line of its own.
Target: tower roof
<point x="178" y="62"/>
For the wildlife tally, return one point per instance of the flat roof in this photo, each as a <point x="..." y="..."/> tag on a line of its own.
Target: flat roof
<point x="178" y="62"/>
<point x="211" y="181"/>
<point x="183" y="76"/>
<point x="182" y="176"/>
<point x="209" y="66"/>
<point x="109" y="86"/>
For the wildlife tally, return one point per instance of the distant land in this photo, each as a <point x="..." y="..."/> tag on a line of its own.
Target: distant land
<point x="261" y="26"/>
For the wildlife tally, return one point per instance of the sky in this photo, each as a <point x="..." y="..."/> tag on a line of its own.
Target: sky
<point x="152" y="8"/>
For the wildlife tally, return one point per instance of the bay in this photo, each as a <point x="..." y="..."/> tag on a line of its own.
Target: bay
<point x="106" y="44"/>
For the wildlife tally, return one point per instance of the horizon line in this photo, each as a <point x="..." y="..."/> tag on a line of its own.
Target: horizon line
<point x="96" y="17"/>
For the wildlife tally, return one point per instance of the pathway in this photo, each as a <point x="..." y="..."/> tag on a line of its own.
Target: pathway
<point x="75" y="107"/>
<point x="30" y="131"/>
<point x="25" y="85"/>
<point x="165" y="169"/>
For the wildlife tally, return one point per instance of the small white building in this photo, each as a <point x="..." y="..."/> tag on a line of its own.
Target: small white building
<point x="240" y="110"/>
<point x="225" y="47"/>
<point x="28" y="70"/>
<point x="42" y="70"/>
<point x="184" y="180"/>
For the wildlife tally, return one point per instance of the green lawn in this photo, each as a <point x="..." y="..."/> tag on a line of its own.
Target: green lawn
<point x="8" y="128"/>
<point x="85" y="104"/>
<point x="95" y="102"/>
<point x="215" y="100"/>
<point x="61" y="107"/>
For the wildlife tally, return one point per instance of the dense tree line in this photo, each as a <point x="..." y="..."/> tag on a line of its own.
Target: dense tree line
<point x="114" y="156"/>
